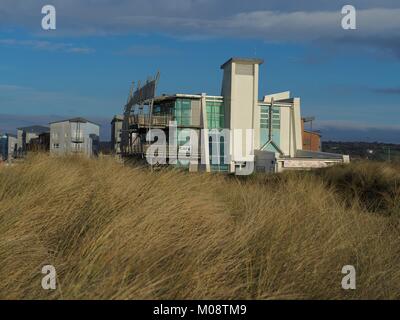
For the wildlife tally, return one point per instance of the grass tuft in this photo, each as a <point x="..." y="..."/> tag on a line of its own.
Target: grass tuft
<point x="124" y="232"/>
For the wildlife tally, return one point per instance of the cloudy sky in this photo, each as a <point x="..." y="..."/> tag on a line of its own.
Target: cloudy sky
<point x="348" y="79"/>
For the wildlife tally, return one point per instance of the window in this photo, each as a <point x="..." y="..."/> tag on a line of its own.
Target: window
<point x="183" y="112"/>
<point x="216" y="120"/>
<point x="156" y="110"/>
<point x="215" y="114"/>
<point x="76" y="146"/>
<point x="216" y="145"/>
<point x="265" y="122"/>
<point x="77" y="135"/>
<point x="264" y="117"/>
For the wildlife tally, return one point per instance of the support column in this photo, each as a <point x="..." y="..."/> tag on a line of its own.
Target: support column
<point x="204" y="145"/>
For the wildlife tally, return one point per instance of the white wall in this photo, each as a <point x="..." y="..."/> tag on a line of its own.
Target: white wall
<point x="19" y="139"/>
<point x="240" y="92"/>
<point x="60" y="133"/>
<point x="290" y="132"/>
<point x="286" y="134"/>
<point x="297" y="120"/>
<point x="12" y="141"/>
<point x="88" y="129"/>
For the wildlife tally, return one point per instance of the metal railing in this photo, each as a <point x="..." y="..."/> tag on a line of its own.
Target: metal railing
<point x="77" y="139"/>
<point x="156" y="120"/>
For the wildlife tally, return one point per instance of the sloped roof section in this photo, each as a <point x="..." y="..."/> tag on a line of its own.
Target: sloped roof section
<point x="77" y="119"/>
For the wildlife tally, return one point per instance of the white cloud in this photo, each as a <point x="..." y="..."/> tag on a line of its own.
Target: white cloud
<point x="45" y="45"/>
<point x="378" y="23"/>
<point x="270" y="20"/>
<point x="9" y="87"/>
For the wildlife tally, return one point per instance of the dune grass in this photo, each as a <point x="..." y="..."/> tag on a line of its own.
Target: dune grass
<point x="116" y="231"/>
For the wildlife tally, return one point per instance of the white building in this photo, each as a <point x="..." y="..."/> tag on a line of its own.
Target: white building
<point x="274" y="123"/>
<point x="276" y="120"/>
<point x="77" y="136"/>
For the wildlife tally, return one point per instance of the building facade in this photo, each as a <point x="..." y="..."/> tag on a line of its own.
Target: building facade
<point x="41" y="143"/>
<point x="74" y="136"/>
<point x="26" y="134"/>
<point x="235" y="132"/>
<point x="311" y="141"/>
<point x="116" y="132"/>
<point x="8" y="146"/>
<point x="311" y="138"/>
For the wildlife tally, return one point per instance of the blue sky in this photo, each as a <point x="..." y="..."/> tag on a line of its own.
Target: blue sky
<point x="347" y="79"/>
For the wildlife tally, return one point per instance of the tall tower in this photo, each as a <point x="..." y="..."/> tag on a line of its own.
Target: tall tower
<point x="240" y="92"/>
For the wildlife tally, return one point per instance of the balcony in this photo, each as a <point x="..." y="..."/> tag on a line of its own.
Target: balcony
<point x="156" y="120"/>
<point x="77" y="139"/>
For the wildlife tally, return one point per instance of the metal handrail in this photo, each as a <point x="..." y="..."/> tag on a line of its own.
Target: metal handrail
<point x="156" y="120"/>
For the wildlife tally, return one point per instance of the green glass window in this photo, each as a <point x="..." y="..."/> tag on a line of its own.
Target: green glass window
<point x="265" y="122"/>
<point x="217" y="144"/>
<point x="264" y="117"/>
<point x="183" y="112"/>
<point x="215" y="114"/>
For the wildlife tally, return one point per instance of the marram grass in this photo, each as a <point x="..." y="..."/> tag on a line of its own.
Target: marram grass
<point x="123" y="232"/>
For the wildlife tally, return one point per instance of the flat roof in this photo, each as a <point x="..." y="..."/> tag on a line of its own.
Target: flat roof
<point x="276" y="104"/>
<point x="316" y="155"/>
<point x="243" y="61"/>
<point x="117" y="117"/>
<point x="313" y="132"/>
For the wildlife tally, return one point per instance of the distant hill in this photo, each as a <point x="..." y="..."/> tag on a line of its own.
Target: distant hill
<point x="364" y="150"/>
<point x="386" y="135"/>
